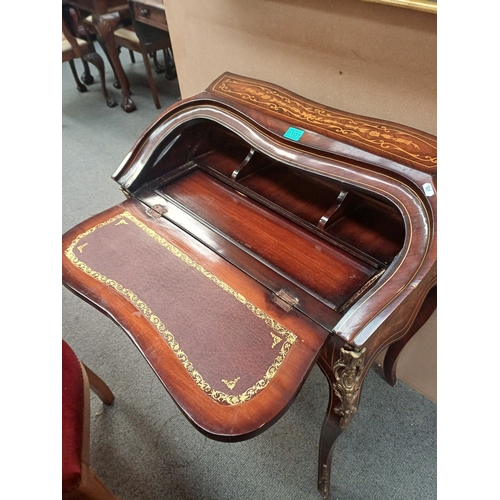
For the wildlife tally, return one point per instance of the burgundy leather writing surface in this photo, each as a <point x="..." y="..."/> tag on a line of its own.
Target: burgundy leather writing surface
<point x="231" y="348"/>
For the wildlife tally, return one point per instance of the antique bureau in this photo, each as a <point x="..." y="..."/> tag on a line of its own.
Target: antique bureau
<point x="263" y="233"/>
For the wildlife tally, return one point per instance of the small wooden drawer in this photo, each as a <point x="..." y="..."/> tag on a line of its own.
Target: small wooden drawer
<point x="150" y="12"/>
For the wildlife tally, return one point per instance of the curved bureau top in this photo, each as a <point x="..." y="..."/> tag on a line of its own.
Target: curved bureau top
<point x="396" y="162"/>
<point x="395" y="142"/>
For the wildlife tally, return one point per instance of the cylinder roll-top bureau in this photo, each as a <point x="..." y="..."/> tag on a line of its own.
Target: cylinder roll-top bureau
<point x="261" y="233"/>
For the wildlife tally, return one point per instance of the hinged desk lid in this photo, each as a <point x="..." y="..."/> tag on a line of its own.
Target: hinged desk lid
<point x="232" y="359"/>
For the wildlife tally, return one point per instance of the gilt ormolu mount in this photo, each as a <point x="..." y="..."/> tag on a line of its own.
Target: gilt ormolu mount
<point x="262" y="233"/>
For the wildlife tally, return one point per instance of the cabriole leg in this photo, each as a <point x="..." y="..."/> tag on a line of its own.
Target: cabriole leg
<point x="344" y="381"/>
<point x="106" y="26"/>
<point x="395" y="349"/>
<point x="80" y="86"/>
<point x="329" y="434"/>
<point x="86" y="76"/>
<point x="97" y="61"/>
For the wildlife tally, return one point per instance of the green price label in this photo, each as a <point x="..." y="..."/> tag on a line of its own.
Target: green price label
<point x="293" y="133"/>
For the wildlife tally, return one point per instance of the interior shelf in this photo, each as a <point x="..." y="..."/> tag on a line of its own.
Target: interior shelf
<point x="230" y="185"/>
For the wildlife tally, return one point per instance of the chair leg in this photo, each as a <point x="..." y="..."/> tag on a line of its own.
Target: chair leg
<point x="87" y="77"/>
<point x="116" y="82"/>
<point x="99" y="386"/>
<point x="91" y="487"/>
<point x="79" y="85"/>
<point x="151" y="80"/>
<point x="97" y="61"/>
<point x="158" y="67"/>
<point x="170" y="73"/>
<point x="132" y="56"/>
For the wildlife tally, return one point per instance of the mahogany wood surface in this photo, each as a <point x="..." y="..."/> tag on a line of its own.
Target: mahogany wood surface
<point x="325" y="270"/>
<point x="326" y="239"/>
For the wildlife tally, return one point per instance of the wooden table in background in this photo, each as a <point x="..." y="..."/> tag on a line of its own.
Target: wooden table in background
<point x="107" y="16"/>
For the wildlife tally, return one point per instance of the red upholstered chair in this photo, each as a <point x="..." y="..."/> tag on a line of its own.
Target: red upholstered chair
<point x="78" y="479"/>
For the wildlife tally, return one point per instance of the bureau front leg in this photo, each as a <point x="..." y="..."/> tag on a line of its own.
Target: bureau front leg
<point x="343" y="368"/>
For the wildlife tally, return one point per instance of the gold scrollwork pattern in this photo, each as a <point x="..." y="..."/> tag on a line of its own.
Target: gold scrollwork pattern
<point x="230" y="383"/>
<point x="288" y="337"/>
<point x="396" y="142"/>
<point x="347" y="371"/>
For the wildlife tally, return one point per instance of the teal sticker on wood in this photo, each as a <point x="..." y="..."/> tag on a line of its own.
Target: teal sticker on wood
<point x="293" y="133"/>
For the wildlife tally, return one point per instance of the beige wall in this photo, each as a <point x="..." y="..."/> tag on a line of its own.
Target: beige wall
<point x="365" y="58"/>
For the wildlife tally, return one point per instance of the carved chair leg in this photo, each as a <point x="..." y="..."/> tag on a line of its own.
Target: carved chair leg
<point x="395" y="349"/>
<point x="116" y="81"/>
<point x="87" y="77"/>
<point x="95" y="59"/>
<point x="106" y="27"/>
<point x="151" y="80"/>
<point x="79" y="85"/>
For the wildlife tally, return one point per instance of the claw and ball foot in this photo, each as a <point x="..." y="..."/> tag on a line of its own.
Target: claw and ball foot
<point x="87" y="77"/>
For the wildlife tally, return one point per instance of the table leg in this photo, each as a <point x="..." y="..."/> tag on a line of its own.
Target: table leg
<point x="106" y="26"/>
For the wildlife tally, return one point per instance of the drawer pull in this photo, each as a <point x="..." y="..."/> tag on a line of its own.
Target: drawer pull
<point x="144" y="12"/>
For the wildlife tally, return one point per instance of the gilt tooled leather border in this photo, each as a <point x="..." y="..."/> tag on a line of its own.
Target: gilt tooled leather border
<point x="288" y="337"/>
<point x="390" y="142"/>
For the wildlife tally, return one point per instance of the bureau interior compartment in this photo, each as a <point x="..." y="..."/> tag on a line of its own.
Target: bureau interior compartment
<point x="299" y="256"/>
<point x="365" y="226"/>
<point x="332" y="242"/>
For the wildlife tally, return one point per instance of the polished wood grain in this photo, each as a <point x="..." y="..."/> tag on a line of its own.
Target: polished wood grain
<point x="331" y="234"/>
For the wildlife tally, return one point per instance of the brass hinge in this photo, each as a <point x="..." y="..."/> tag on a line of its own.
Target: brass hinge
<point x="156" y="211"/>
<point x="125" y="192"/>
<point x="284" y="300"/>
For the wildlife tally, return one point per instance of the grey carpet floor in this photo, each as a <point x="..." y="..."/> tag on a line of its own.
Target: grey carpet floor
<point x="142" y="446"/>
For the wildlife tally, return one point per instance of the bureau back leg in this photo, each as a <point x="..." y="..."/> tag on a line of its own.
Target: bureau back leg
<point x="391" y="357"/>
